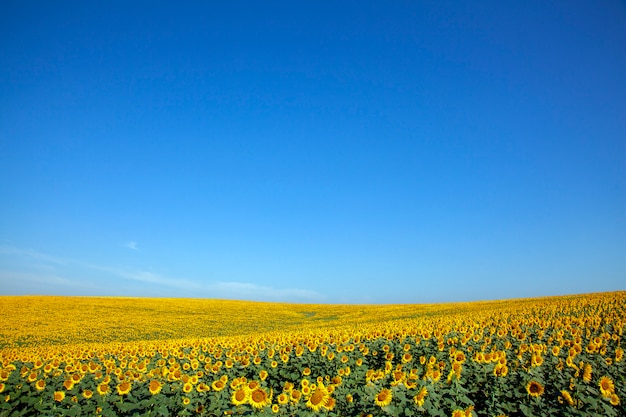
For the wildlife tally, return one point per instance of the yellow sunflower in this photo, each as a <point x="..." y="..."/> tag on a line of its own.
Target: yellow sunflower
<point x="295" y="396"/>
<point x="59" y="396"/>
<point x="240" y="396"/>
<point x="218" y="385"/>
<point x="124" y="388"/>
<point x="87" y="393"/>
<point x="259" y="398"/>
<point x="318" y="399"/>
<point x="420" y="397"/>
<point x="103" y="389"/>
<point x="500" y="370"/>
<point x="383" y="398"/>
<point x="606" y="386"/>
<point x="587" y="373"/>
<point x="534" y="389"/>
<point x="155" y="387"/>
<point x="40" y="385"/>
<point x="568" y="397"/>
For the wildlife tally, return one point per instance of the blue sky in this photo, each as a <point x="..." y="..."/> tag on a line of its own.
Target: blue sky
<point x="335" y="152"/>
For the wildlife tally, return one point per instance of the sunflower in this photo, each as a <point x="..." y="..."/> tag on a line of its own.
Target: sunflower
<point x="606" y="386"/>
<point x="87" y="393"/>
<point x="240" y="396"/>
<point x="614" y="399"/>
<point x="186" y="401"/>
<point x="103" y="389"/>
<point x="383" y="398"/>
<point x="263" y="375"/>
<point x="155" y="387"/>
<point x="59" y="396"/>
<point x="534" y="389"/>
<point x="568" y="397"/>
<point x="40" y="385"/>
<point x="587" y="373"/>
<point x="202" y="387"/>
<point x="124" y="388"/>
<point x="318" y="399"/>
<point x="259" y="398"/>
<point x="500" y="370"/>
<point x="420" y="397"/>
<point x="218" y="385"/>
<point x="295" y="396"/>
<point x="283" y="398"/>
<point x="458" y="413"/>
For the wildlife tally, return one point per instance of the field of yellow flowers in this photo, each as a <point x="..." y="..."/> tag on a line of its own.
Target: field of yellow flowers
<point x="74" y="356"/>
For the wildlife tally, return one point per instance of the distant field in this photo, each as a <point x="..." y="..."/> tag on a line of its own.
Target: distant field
<point x="557" y="356"/>
<point x="35" y="321"/>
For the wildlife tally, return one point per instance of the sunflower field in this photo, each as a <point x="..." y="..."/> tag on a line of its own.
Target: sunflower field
<point x="75" y="356"/>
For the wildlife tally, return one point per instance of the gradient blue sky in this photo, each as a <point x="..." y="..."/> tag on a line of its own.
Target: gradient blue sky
<point x="337" y="152"/>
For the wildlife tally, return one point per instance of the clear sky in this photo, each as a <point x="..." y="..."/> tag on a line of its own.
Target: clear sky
<point x="313" y="151"/>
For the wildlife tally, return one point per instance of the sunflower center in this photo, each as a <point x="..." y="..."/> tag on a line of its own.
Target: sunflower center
<point x="317" y="397"/>
<point x="240" y="395"/>
<point x="258" y="396"/>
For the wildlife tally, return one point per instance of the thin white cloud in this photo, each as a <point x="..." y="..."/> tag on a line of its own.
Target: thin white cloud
<point x="131" y="245"/>
<point x="31" y="254"/>
<point x="154" y="283"/>
<point x="245" y="290"/>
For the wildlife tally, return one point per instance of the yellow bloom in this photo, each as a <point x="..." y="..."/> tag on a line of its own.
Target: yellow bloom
<point x="319" y="398"/>
<point x="124" y="388"/>
<point x="218" y="385"/>
<point x="614" y="399"/>
<point x="59" y="396"/>
<point x="155" y="387"/>
<point x="568" y="397"/>
<point x="383" y="398"/>
<point x="421" y="395"/>
<point x="500" y="370"/>
<point x="40" y="385"/>
<point x="103" y="389"/>
<point x="259" y="398"/>
<point x="87" y="393"/>
<point x="295" y="395"/>
<point x="606" y="386"/>
<point x="240" y="396"/>
<point x="587" y="373"/>
<point x="534" y="389"/>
